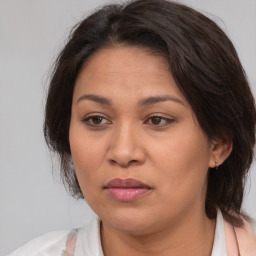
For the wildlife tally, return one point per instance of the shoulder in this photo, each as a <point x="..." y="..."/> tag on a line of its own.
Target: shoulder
<point x="84" y="241"/>
<point x="252" y="224"/>
<point x="246" y="237"/>
<point x="88" y="239"/>
<point x="47" y="244"/>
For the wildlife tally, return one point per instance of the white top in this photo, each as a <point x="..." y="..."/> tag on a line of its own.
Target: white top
<point x="86" y="241"/>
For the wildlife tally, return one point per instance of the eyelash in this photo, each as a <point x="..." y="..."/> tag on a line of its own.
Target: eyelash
<point x="166" y="120"/>
<point x="89" y="119"/>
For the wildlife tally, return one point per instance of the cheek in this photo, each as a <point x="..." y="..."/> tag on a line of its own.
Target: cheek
<point x="87" y="156"/>
<point x="183" y="164"/>
<point x="184" y="149"/>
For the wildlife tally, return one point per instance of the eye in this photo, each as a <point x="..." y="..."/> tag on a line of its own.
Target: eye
<point x="159" y="121"/>
<point x="96" y="120"/>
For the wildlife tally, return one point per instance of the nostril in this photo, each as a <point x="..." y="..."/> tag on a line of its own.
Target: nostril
<point x="113" y="161"/>
<point x="133" y="161"/>
<point x="123" y="163"/>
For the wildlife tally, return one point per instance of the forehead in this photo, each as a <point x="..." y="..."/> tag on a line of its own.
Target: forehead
<point x="127" y="71"/>
<point x="125" y="59"/>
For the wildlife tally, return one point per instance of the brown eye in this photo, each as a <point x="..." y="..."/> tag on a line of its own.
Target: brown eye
<point x="159" y="121"/>
<point x="156" y="120"/>
<point x="96" y="121"/>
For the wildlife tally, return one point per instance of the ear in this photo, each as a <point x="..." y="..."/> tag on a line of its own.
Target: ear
<point x="221" y="149"/>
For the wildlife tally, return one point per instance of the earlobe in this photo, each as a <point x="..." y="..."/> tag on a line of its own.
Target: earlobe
<point x="220" y="152"/>
<point x="216" y="164"/>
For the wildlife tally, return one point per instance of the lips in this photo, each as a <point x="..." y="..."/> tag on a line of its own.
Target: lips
<point x="126" y="190"/>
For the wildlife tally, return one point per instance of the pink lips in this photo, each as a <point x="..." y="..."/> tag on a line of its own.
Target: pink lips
<point x="126" y="190"/>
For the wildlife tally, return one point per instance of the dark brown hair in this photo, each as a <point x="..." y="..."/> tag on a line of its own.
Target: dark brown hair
<point x="204" y="64"/>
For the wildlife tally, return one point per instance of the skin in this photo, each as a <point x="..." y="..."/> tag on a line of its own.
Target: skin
<point x="171" y="154"/>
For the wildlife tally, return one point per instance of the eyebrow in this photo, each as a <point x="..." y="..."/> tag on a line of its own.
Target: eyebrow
<point x="95" y="98"/>
<point x="144" y="102"/>
<point x="157" y="99"/>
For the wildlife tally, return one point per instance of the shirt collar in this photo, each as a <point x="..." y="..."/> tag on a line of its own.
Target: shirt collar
<point x="93" y="241"/>
<point x="219" y="244"/>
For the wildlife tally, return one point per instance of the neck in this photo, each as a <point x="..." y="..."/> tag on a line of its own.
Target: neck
<point x="193" y="235"/>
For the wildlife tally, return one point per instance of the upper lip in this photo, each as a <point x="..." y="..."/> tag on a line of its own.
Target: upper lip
<point x="126" y="183"/>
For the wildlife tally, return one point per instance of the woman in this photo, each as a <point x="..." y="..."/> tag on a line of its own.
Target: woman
<point x="151" y="114"/>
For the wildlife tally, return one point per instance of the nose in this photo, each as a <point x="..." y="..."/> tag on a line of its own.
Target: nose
<point x="126" y="147"/>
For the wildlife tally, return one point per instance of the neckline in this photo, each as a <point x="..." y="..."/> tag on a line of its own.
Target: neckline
<point x="89" y="239"/>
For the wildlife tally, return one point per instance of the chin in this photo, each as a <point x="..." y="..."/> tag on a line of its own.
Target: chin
<point x="131" y="223"/>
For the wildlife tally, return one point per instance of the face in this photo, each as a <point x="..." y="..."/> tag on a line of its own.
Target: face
<point x="140" y="156"/>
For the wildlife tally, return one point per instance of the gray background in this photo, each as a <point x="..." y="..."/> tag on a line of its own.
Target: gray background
<point x="32" y="201"/>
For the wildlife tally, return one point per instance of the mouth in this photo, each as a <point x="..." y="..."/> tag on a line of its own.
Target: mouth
<point x="127" y="190"/>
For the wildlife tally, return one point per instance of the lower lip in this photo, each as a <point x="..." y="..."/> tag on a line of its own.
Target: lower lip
<point x="127" y="194"/>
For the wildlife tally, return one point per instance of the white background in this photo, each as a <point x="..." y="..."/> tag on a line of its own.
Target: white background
<point x="32" y="201"/>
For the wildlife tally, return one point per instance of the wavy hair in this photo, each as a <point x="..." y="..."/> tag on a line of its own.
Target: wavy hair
<point x="205" y="66"/>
